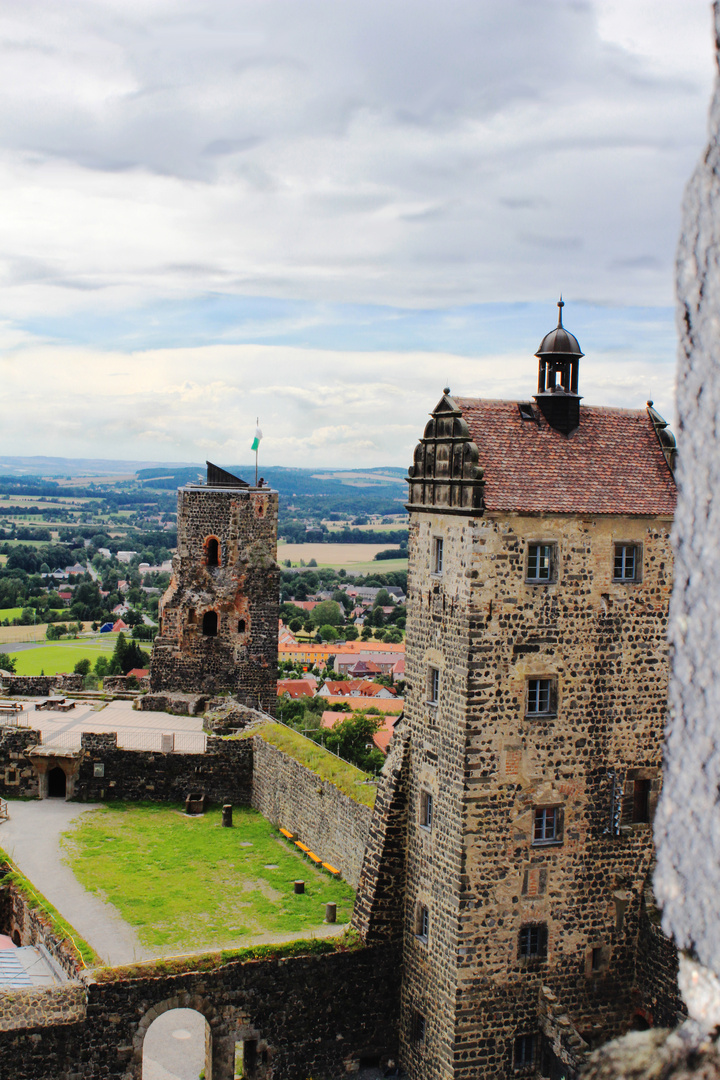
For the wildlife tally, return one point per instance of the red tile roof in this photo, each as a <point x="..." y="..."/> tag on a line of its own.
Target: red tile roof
<point x="296" y="688"/>
<point x="611" y="464"/>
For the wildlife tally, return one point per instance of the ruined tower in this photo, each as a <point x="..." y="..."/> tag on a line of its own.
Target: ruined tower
<point x="539" y="579"/>
<point x="219" y="616"/>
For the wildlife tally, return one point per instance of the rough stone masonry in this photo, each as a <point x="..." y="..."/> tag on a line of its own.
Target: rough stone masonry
<point x="219" y="616"/>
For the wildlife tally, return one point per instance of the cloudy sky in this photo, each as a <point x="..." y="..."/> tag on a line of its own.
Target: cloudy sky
<point x="322" y="212"/>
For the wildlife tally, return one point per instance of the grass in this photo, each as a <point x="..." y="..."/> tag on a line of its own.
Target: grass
<point x="29" y="633"/>
<point x="187" y="884"/>
<point x="349" y="941"/>
<point x="51" y="658"/>
<point x="342" y="774"/>
<point x="60" y="927"/>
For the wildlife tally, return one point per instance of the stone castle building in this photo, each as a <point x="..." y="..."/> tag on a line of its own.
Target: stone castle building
<point x="219" y="616"/>
<point x="539" y="579"/>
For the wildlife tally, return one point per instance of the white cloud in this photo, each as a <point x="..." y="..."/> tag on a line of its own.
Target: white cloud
<point x="410" y="151"/>
<point x="316" y="407"/>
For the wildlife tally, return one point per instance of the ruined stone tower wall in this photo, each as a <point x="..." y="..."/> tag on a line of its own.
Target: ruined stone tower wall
<point x="490" y="765"/>
<point x="220" y="622"/>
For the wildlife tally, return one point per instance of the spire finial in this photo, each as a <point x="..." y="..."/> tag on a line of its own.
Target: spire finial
<point x="561" y="305"/>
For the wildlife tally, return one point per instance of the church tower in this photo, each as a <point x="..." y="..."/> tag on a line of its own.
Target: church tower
<point x="219" y="616"/>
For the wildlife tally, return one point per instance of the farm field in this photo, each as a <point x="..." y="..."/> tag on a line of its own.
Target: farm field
<point x="188" y="884"/>
<point x="29" y="633"/>
<point x="52" y="657"/>
<point x="346" y="555"/>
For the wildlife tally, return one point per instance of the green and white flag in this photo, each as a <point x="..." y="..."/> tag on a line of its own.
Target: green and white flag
<point x="256" y="440"/>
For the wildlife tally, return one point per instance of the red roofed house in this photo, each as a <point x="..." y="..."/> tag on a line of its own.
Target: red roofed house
<point x="139" y="672"/>
<point x="295" y="688"/>
<point x="381" y="738"/>
<point x="355" y="688"/>
<point x="120" y="625"/>
<point x="540" y="571"/>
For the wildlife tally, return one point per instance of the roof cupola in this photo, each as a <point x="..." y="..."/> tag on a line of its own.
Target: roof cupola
<point x="557" y="395"/>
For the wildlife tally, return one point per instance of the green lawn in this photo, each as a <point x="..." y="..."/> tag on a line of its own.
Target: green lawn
<point x="52" y="657"/>
<point x="188" y="884"/>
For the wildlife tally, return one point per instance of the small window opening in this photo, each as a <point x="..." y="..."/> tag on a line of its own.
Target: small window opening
<point x="641" y="802"/>
<point x="540" y="562"/>
<point x="210" y="624"/>
<point x="192" y="615"/>
<point x="438" y="545"/>
<point x="546" y="825"/>
<point x="423" y="922"/>
<point x="532" y="942"/>
<point x="525" y="1047"/>
<point x="11" y="776"/>
<point x="213" y="552"/>
<point x="526" y="410"/>
<point x="426" y="809"/>
<point x="626" y="562"/>
<point x="418" y="1027"/>
<point x="540" y="698"/>
<point x="241" y="626"/>
<point x="596" y="958"/>
<point x="433" y="686"/>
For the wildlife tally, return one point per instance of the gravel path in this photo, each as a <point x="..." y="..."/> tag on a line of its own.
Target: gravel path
<point x="32" y="839"/>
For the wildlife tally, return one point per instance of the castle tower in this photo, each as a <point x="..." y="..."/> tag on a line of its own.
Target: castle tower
<point x="539" y="581"/>
<point x="219" y="616"/>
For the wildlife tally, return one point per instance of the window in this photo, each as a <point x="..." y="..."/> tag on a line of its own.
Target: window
<point x="437" y="555"/>
<point x="210" y="624"/>
<point x="627" y="562"/>
<point x="532" y="943"/>
<point x="426" y="809"/>
<point x="212" y="551"/>
<point x="524" y="1055"/>
<point x="241" y="626"/>
<point x="418" y="1027"/>
<point x="540" y="697"/>
<point x="546" y="825"/>
<point x="423" y="922"/>
<point x="540" y="563"/>
<point x="596" y="958"/>
<point x="641" y="802"/>
<point x="433" y="686"/>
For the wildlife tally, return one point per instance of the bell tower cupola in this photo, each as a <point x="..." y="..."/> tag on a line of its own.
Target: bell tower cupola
<point x="557" y="396"/>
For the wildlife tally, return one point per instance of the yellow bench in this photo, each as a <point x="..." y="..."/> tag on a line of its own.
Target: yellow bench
<point x="303" y="847"/>
<point x="332" y="869"/>
<point x="289" y="835"/>
<point x="313" y="857"/>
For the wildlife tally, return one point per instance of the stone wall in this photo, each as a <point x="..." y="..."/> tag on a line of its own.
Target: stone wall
<point x="118" y="684"/>
<point x="20" y="685"/>
<point x="658" y="993"/>
<point x="19" y="920"/>
<point x="41" y="1007"/>
<point x="17" y="775"/>
<point x="69" y="682"/>
<point x="488" y="766"/>
<point x="224" y="773"/>
<point x="312" y="1016"/>
<point x="219" y="616"/>
<point x="379" y="907"/>
<point x="332" y="824"/>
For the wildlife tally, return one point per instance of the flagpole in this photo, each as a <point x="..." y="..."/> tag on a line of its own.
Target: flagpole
<point x="257" y="448"/>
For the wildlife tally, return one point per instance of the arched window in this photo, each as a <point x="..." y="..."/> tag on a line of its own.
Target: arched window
<point x="213" y="551"/>
<point x="210" y="624"/>
<point x="175" y="1035"/>
<point x="241" y="626"/>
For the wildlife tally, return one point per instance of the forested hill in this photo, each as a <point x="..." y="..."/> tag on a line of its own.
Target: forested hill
<point x="307" y="492"/>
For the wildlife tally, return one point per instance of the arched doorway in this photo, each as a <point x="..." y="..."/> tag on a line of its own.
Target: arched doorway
<point x="177" y="1046"/>
<point x="210" y="624"/>
<point x="57" y="783"/>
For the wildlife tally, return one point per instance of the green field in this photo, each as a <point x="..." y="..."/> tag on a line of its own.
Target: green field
<point x="52" y="657"/>
<point x="187" y="883"/>
<point x="11" y="613"/>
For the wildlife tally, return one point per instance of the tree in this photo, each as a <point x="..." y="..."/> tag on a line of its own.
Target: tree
<point x="366" y="633"/>
<point x="383" y="599"/>
<point x="101" y="666"/>
<point x="328" y="633"/>
<point x="82" y="667"/>
<point x="8" y="663"/>
<point x="296" y="625"/>
<point x="327" y="613"/>
<point x="350" y="738"/>
<point x="351" y="633"/>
